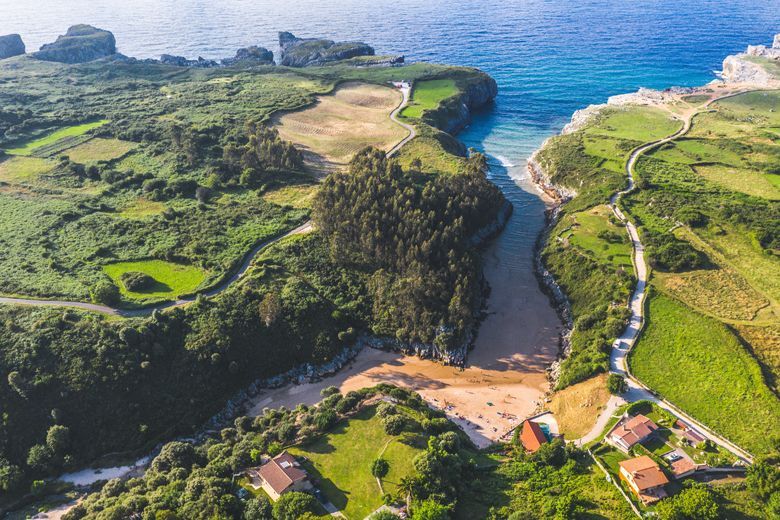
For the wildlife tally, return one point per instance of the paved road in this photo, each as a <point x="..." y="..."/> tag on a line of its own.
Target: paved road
<point x="406" y="90"/>
<point x="622" y="346"/>
<point x="248" y="259"/>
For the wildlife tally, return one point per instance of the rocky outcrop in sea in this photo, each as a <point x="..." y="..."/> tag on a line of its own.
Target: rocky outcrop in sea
<point x="11" y="45"/>
<point x="80" y="44"/>
<point x="305" y="52"/>
<point x="253" y="55"/>
<point x="747" y="67"/>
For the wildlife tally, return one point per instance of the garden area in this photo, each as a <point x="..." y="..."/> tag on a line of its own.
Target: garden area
<point x="341" y="462"/>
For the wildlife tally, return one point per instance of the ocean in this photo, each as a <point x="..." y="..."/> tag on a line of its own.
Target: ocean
<point x="549" y="57"/>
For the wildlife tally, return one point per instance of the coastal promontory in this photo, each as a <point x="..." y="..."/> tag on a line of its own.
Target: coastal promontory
<point x="304" y="52"/>
<point x="81" y="43"/>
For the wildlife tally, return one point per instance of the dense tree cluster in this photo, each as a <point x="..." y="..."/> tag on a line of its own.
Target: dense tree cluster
<point x="249" y="160"/>
<point x="198" y="481"/>
<point x="414" y="235"/>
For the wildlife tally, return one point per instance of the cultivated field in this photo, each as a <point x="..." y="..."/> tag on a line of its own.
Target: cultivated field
<point x="340" y="124"/>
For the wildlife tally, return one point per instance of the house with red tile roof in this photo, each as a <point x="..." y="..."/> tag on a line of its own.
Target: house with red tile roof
<point x="630" y="431"/>
<point x="279" y="475"/>
<point x="645" y="478"/>
<point x="532" y="436"/>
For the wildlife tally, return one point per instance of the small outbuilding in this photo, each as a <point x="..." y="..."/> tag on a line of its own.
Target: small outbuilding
<point x="532" y="436"/>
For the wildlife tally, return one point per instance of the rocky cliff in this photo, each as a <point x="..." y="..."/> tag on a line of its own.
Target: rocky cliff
<point x="304" y="52"/>
<point x="751" y="66"/>
<point x="253" y="55"/>
<point x="11" y="45"/>
<point x="454" y="114"/>
<point x="80" y="44"/>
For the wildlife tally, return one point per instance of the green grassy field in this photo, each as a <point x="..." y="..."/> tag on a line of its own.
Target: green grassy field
<point x="341" y="462"/>
<point x="636" y="123"/>
<point x="433" y="157"/>
<point x="426" y="95"/>
<point x="595" y="233"/>
<point x="747" y="181"/>
<point x="98" y="149"/>
<point x="142" y="208"/>
<point x="293" y="196"/>
<point x="173" y="280"/>
<point x="30" y="147"/>
<point x="21" y="169"/>
<point x="700" y="366"/>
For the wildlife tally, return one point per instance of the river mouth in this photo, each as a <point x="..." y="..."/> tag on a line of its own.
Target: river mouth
<point x="504" y="380"/>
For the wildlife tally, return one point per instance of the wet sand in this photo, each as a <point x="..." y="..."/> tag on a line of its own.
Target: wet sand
<point x="505" y="377"/>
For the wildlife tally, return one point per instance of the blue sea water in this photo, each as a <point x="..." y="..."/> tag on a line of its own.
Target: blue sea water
<point x="550" y="57"/>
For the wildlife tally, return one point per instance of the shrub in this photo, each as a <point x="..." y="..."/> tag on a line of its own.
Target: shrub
<point x="616" y="384"/>
<point x="105" y="292"/>
<point x="394" y="424"/>
<point x="136" y="282"/>
<point x="293" y="505"/>
<point x="380" y="467"/>
<point x="386" y="409"/>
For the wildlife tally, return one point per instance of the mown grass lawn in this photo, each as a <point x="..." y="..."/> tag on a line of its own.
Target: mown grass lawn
<point x="426" y="95"/>
<point x="341" y="462"/>
<point x="699" y="365"/>
<point x="172" y="279"/>
<point x="71" y="131"/>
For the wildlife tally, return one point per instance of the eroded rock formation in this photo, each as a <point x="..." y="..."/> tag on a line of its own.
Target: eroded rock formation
<point x="80" y="44"/>
<point x="11" y="45"/>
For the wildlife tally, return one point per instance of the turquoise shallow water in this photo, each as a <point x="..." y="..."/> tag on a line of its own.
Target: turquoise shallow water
<point x="550" y="57"/>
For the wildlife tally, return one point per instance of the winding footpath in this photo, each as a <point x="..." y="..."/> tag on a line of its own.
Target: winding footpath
<point x="242" y="270"/>
<point x="618" y="359"/>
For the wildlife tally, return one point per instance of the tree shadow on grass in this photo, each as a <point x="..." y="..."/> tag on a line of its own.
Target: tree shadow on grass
<point x="333" y="494"/>
<point x="156" y="287"/>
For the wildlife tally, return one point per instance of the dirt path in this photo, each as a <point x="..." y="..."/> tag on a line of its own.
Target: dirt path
<point x="618" y="363"/>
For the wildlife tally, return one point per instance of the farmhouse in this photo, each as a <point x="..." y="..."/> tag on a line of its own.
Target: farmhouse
<point x="645" y="478"/>
<point x="279" y="475"/>
<point x="532" y="436"/>
<point x="630" y="431"/>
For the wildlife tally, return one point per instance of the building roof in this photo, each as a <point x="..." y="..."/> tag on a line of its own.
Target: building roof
<point x="645" y="472"/>
<point x="683" y="466"/>
<point x="634" y="429"/>
<point x="281" y="472"/>
<point x="532" y="436"/>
